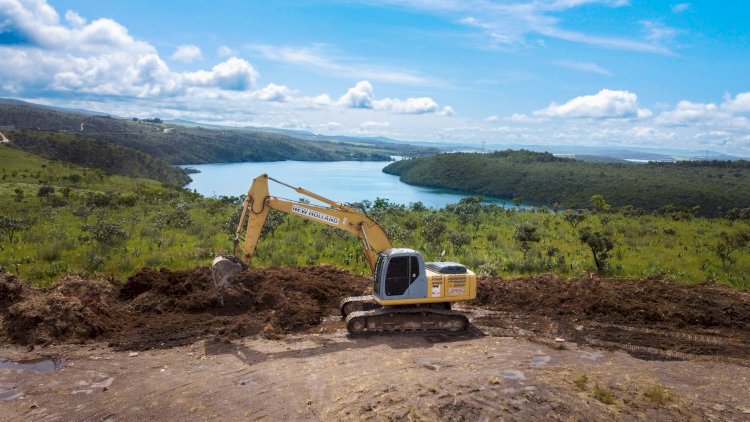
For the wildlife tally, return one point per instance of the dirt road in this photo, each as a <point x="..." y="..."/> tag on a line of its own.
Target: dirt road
<point x="540" y="348"/>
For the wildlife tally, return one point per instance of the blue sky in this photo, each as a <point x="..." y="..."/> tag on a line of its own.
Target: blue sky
<point x="573" y="72"/>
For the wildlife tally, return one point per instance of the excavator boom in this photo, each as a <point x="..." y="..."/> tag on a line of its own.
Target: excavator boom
<point x="258" y="203"/>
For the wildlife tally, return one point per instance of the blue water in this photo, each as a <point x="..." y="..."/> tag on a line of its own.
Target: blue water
<point x="341" y="181"/>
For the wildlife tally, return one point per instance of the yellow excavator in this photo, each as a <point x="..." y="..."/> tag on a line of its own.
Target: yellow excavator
<point x="408" y="294"/>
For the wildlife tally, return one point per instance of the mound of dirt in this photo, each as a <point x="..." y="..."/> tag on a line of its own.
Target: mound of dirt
<point x="11" y="289"/>
<point x="74" y="309"/>
<point x="290" y="299"/>
<point x="162" y="308"/>
<point x="653" y="302"/>
<point x="649" y="319"/>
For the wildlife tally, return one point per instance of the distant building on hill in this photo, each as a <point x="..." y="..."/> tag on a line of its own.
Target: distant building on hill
<point x="7" y="127"/>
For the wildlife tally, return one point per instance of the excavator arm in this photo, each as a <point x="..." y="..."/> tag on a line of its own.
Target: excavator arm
<point x="259" y="202"/>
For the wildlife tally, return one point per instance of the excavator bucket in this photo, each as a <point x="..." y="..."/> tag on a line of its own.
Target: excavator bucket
<point x="223" y="268"/>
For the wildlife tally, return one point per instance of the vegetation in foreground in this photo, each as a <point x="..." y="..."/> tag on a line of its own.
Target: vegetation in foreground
<point x="57" y="218"/>
<point x="708" y="188"/>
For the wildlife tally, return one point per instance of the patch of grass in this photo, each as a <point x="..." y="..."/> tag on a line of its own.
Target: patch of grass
<point x="581" y="382"/>
<point x="603" y="395"/>
<point x="657" y="394"/>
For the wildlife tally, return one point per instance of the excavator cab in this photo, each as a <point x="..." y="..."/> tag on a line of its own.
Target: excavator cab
<point x="402" y="277"/>
<point x="399" y="274"/>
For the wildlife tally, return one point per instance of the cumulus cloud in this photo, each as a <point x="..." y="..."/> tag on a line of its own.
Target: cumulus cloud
<point x="358" y="96"/>
<point x="738" y="104"/>
<point x="687" y="112"/>
<point x="361" y="96"/>
<point x="235" y="74"/>
<point x="273" y="92"/>
<point x="187" y="53"/>
<point x="99" y="58"/>
<point x="74" y="18"/>
<point x="606" y="104"/>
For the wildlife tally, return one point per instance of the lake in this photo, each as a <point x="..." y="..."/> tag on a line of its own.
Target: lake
<point x="340" y="181"/>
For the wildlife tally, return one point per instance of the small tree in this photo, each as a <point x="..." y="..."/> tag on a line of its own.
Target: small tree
<point x="273" y="221"/>
<point x="574" y="217"/>
<point x="45" y="191"/>
<point x="517" y="201"/>
<point x="600" y="245"/>
<point x="106" y="233"/>
<point x="525" y="234"/>
<point x="599" y="204"/>
<point x="10" y="225"/>
<point x="458" y="240"/>
<point x="729" y="243"/>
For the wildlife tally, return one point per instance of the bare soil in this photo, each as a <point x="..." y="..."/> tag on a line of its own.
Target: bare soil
<point x="539" y="347"/>
<point x="143" y="312"/>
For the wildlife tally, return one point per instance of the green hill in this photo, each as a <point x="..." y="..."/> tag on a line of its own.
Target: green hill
<point x="86" y="152"/>
<point x="195" y="145"/>
<point x="542" y="179"/>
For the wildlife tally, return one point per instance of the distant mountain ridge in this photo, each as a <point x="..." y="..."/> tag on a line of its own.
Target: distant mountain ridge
<point x="197" y="145"/>
<point x="407" y="148"/>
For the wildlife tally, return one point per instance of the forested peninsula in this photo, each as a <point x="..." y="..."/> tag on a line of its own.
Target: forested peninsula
<point x="709" y="188"/>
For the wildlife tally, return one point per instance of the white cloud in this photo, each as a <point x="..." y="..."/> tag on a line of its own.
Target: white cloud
<point x="512" y="24"/>
<point x="583" y="66"/>
<point x="491" y="118"/>
<point x="680" y="7"/>
<point x="657" y="32"/>
<point x="235" y="74"/>
<point x="361" y="96"/>
<point x="187" y="53"/>
<point x="688" y="112"/>
<point x="606" y="104"/>
<point x="331" y="62"/>
<point x="375" y="125"/>
<point x="225" y="51"/>
<point x="358" y="96"/>
<point x="273" y="92"/>
<point x="408" y="106"/>
<point x="74" y="19"/>
<point x="522" y="118"/>
<point x="738" y="104"/>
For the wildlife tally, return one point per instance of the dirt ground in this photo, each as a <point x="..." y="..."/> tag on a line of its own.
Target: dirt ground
<point x="162" y="346"/>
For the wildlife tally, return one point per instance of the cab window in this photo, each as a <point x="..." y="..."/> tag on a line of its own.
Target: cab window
<point x="401" y="272"/>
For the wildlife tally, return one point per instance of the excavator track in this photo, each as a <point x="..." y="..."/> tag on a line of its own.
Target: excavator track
<point x="391" y="319"/>
<point x="357" y="304"/>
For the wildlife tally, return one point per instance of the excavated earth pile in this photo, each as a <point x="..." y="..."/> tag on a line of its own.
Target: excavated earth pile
<point x="648" y="318"/>
<point x="161" y="308"/>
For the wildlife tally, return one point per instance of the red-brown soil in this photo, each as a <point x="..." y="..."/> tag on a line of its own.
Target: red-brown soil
<point x="162" y="309"/>
<point x="648" y="318"/>
<point x="157" y="309"/>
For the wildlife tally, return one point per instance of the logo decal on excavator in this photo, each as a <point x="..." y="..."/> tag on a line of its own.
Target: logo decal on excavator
<point x="315" y="214"/>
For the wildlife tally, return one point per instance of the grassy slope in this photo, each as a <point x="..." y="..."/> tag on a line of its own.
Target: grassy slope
<point x="177" y="229"/>
<point x="113" y="159"/>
